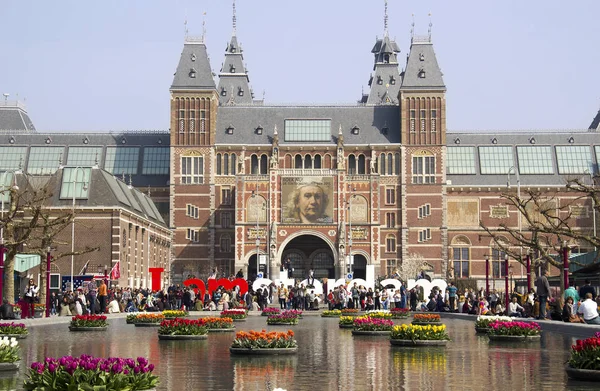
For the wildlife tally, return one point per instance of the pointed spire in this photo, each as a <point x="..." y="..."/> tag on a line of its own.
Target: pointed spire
<point x="430" y="26"/>
<point x="204" y="27"/>
<point x="412" y="27"/>
<point x="385" y="20"/>
<point x="234" y="19"/>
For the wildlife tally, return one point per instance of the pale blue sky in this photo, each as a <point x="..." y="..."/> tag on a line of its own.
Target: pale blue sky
<point x="108" y="65"/>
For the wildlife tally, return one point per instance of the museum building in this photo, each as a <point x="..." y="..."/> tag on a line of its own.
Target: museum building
<point x="334" y="189"/>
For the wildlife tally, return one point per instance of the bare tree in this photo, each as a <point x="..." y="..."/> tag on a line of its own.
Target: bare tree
<point x="411" y="266"/>
<point x="548" y="221"/>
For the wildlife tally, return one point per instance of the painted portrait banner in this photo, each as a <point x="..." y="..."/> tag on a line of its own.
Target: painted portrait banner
<point x="307" y="200"/>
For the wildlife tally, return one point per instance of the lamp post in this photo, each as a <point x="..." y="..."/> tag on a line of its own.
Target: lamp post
<point x="74" y="175"/>
<point x="487" y="275"/>
<point x="565" y="254"/>
<point x="2" y="248"/>
<point x="48" y="262"/>
<point x="255" y="196"/>
<point x="350" y="257"/>
<point x="506" y="295"/>
<point x="593" y="205"/>
<point x="528" y="261"/>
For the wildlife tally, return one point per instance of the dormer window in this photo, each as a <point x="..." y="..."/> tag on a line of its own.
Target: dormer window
<point x="392" y="80"/>
<point x="193" y="57"/>
<point x="384" y="130"/>
<point x="233" y="49"/>
<point x="421" y="57"/>
<point x="386" y="58"/>
<point x="223" y="91"/>
<point x="355" y="129"/>
<point x="231" y="68"/>
<point x="229" y="129"/>
<point x="421" y="74"/>
<point x="379" y="80"/>
<point x="259" y="130"/>
<point x="240" y="91"/>
<point x="192" y="73"/>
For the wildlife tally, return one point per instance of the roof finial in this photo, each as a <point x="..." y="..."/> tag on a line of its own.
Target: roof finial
<point x="275" y="132"/>
<point x="96" y="163"/>
<point x="412" y="27"/>
<point x="340" y="130"/>
<point x="185" y="29"/>
<point x="203" y="26"/>
<point x="234" y="19"/>
<point x="430" y="25"/>
<point x="385" y="20"/>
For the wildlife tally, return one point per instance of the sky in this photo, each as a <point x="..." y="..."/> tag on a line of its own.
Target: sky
<point x="108" y="65"/>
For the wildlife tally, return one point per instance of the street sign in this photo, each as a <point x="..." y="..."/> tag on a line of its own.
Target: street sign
<point x="349" y="276"/>
<point x="259" y="275"/>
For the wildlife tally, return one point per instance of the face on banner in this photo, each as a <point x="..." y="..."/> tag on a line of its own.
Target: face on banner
<point x="309" y="200"/>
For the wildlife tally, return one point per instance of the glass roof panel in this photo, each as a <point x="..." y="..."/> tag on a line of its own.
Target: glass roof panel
<point x="122" y="160"/>
<point x="156" y="161"/>
<point x="461" y="160"/>
<point x="574" y="159"/>
<point x="44" y="160"/>
<point x="307" y="130"/>
<point x="12" y="157"/>
<point x="84" y="156"/>
<point x="6" y="180"/>
<point x="496" y="160"/>
<point x="535" y="160"/>
<point x="77" y="178"/>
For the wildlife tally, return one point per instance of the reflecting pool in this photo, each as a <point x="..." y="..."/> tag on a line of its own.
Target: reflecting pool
<point x="328" y="358"/>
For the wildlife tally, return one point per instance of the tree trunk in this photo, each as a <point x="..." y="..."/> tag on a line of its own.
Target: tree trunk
<point x="9" y="281"/>
<point x="42" y="291"/>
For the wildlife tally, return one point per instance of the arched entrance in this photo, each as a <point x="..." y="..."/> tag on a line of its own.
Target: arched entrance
<point x="252" y="267"/>
<point x="360" y="266"/>
<point x="309" y="252"/>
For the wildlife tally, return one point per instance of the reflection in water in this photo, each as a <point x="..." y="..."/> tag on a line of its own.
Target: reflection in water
<point x="328" y="359"/>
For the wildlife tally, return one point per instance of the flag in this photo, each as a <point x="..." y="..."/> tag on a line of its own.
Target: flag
<point x="84" y="270"/>
<point x="115" y="272"/>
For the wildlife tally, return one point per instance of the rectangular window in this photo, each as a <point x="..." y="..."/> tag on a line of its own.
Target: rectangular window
<point x="307" y="130"/>
<point x="192" y="121"/>
<point x="202" y="121"/>
<point x="84" y="156"/>
<point x="75" y="178"/>
<point x="192" y="170"/>
<point x="413" y="114"/>
<point x="461" y="262"/>
<point x="423" y="118"/>
<point x="496" y="160"/>
<point x="225" y="244"/>
<point x="225" y="220"/>
<point x="433" y="120"/>
<point x="390" y="220"/>
<point x="156" y="161"/>
<point x="498" y="263"/>
<point x="461" y="160"/>
<point x="193" y="235"/>
<point x="226" y="196"/>
<point x="390" y="244"/>
<point x="424" y="235"/>
<point x="122" y="160"/>
<point x="574" y="159"/>
<point x="44" y="160"/>
<point x="11" y="158"/>
<point x="423" y="169"/>
<point x="181" y="121"/>
<point x="535" y="160"/>
<point x="192" y="211"/>
<point x="424" y="211"/>
<point x="390" y="196"/>
<point x="392" y="265"/>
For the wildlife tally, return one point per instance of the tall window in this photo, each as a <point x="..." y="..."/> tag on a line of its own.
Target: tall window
<point x="202" y="121"/>
<point x="317" y="161"/>
<point x="192" y="170"/>
<point x="181" y="121"/>
<point x="498" y="263"/>
<point x="390" y="196"/>
<point x="433" y="121"/>
<point x="225" y="220"/>
<point x="263" y="164"/>
<point x="226" y="164"/>
<point x="351" y="165"/>
<point x="390" y="220"/>
<point x="297" y="161"/>
<point x="307" y="161"/>
<point x="193" y="235"/>
<point x="390" y="244"/>
<point x="192" y="211"/>
<point x="413" y="114"/>
<point x="382" y="165"/>
<point x="423" y="120"/>
<point x="254" y="165"/>
<point x="225" y="243"/>
<point x="362" y="164"/>
<point x="423" y="169"/>
<point x="461" y="262"/>
<point x="391" y="266"/>
<point x="192" y="121"/>
<point x="226" y="196"/>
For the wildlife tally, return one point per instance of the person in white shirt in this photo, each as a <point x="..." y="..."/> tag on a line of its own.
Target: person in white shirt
<point x="589" y="310"/>
<point x="515" y="309"/>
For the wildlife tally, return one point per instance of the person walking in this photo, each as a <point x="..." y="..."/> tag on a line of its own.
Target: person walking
<point x="31" y="295"/>
<point x="92" y="293"/>
<point x="102" y="295"/>
<point x="542" y="287"/>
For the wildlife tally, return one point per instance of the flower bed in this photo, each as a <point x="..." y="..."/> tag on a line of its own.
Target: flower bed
<point x="270" y="311"/>
<point x="331" y="313"/>
<point x="286" y="318"/>
<point x="87" y="372"/>
<point x="214" y="323"/>
<point x="347" y="322"/>
<point x="349" y="311"/>
<point x="420" y="333"/>
<point x="296" y="313"/>
<point x="9" y="350"/>
<point x="514" y="328"/>
<point x="234" y="314"/>
<point x="178" y="326"/>
<point x="482" y="324"/>
<point x="88" y="321"/>
<point x="367" y="323"/>
<point x="584" y="363"/>
<point x="420" y="319"/>
<point x="17" y="330"/>
<point x="174" y="313"/>
<point x="400" y="313"/>
<point x="264" y="340"/>
<point x="148" y="318"/>
<point x="379" y="314"/>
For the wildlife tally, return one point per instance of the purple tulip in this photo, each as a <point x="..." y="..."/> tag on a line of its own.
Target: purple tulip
<point x="151" y="367"/>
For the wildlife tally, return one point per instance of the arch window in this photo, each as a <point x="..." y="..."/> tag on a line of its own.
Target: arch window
<point x="390" y="244"/>
<point x="307" y="161"/>
<point x="351" y="164"/>
<point x="397" y="163"/>
<point x="298" y="161"/>
<point x="254" y="165"/>
<point x="317" y="161"/>
<point x="361" y="164"/>
<point x="461" y="256"/>
<point x="263" y="164"/>
<point x="390" y="162"/>
<point x="498" y="263"/>
<point x="219" y="168"/>
<point x="382" y="165"/>
<point x="226" y="164"/>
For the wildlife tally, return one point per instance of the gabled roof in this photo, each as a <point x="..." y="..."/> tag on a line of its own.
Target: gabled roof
<point x="385" y="83"/>
<point x="595" y="125"/>
<point x="422" y="70"/>
<point x="13" y="116"/>
<point x="234" y="87"/>
<point x="193" y="71"/>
